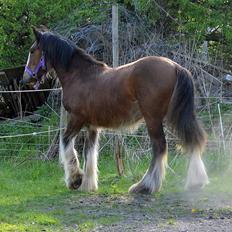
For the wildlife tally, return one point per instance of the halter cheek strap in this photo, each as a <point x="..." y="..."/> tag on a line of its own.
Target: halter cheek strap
<point x="33" y="73"/>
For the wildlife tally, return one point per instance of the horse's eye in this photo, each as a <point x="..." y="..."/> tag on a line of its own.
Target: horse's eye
<point x="32" y="52"/>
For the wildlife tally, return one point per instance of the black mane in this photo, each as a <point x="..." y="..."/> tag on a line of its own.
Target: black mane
<point x="60" y="51"/>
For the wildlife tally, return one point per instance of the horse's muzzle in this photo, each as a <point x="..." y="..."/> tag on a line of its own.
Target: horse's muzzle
<point x="25" y="80"/>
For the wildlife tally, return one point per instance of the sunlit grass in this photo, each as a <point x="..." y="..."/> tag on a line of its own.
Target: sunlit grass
<point x="33" y="196"/>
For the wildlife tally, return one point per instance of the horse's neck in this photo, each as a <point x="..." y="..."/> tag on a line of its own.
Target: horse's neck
<point x="78" y="71"/>
<point x="62" y="75"/>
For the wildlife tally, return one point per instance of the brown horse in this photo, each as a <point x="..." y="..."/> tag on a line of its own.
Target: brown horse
<point x="97" y="96"/>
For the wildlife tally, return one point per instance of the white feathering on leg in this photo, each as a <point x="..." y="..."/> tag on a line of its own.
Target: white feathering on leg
<point x="61" y="151"/>
<point x="90" y="178"/>
<point x="197" y="176"/>
<point x="152" y="181"/>
<point x="68" y="158"/>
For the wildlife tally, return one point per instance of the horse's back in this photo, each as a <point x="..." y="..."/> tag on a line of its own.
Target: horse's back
<point x="157" y="68"/>
<point x="154" y="80"/>
<point x="147" y="83"/>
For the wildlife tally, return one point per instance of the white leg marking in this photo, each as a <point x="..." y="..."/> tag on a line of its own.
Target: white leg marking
<point x="69" y="159"/>
<point x="197" y="176"/>
<point x="154" y="180"/>
<point x="90" y="178"/>
<point x="151" y="182"/>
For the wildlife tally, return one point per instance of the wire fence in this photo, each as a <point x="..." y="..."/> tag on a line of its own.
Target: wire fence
<point x="35" y="135"/>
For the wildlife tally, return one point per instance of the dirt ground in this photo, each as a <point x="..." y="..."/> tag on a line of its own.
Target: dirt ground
<point x="183" y="212"/>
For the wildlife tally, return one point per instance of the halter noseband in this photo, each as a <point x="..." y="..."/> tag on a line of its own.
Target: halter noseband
<point x="33" y="73"/>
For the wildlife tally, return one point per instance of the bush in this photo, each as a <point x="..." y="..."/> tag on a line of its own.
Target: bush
<point x="199" y="20"/>
<point x="17" y="17"/>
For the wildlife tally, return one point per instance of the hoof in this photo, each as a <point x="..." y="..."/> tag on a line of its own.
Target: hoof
<point x="196" y="184"/>
<point x="139" y="188"/>
<point x="197" y="176"/>
<point x="196" y="187"/>
<point x="76" y="183"/>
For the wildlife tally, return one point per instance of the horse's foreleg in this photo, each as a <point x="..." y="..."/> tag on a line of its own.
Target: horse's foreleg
<point x="69" y="156"/>
<point x="152" y="180"/>
<point x="90" y="177"/>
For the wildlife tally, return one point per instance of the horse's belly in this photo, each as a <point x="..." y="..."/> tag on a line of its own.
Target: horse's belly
<point x="119" y="117"/>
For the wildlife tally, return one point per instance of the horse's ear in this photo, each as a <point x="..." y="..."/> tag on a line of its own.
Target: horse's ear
<point x="43" y="28"/>
<point x="37" y="33"/>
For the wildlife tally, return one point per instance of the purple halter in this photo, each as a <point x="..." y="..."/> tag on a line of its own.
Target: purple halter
<point x="33" y="73"/>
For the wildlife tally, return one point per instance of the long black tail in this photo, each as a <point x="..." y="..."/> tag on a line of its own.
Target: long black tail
<point x="181" y="114"/>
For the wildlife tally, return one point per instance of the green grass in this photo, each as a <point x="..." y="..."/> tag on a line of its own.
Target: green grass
<point x="33" y="196"/>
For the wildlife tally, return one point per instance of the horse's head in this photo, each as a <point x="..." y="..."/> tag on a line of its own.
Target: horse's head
<point x="36" y="65"/>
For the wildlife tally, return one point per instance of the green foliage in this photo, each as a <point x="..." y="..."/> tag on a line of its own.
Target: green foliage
<point x="146" y="8"/>
<point x="207" y="20"/>
<point x="17" y="17"/>
<point x="199" y="20"/>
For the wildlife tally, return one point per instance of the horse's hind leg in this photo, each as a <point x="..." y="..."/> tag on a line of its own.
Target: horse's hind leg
<point x="152" y="180"/>
<point x="90" y="178"/>
<point x="68" y="155"/>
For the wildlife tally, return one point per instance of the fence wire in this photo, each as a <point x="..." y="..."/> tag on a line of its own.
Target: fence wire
<point x="33" y="138"/>
<point x="36" y="133"/>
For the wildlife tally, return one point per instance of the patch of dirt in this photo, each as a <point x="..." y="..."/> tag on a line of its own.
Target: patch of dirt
<point x="167" y="213"/>
<point x="179" y="226"/>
